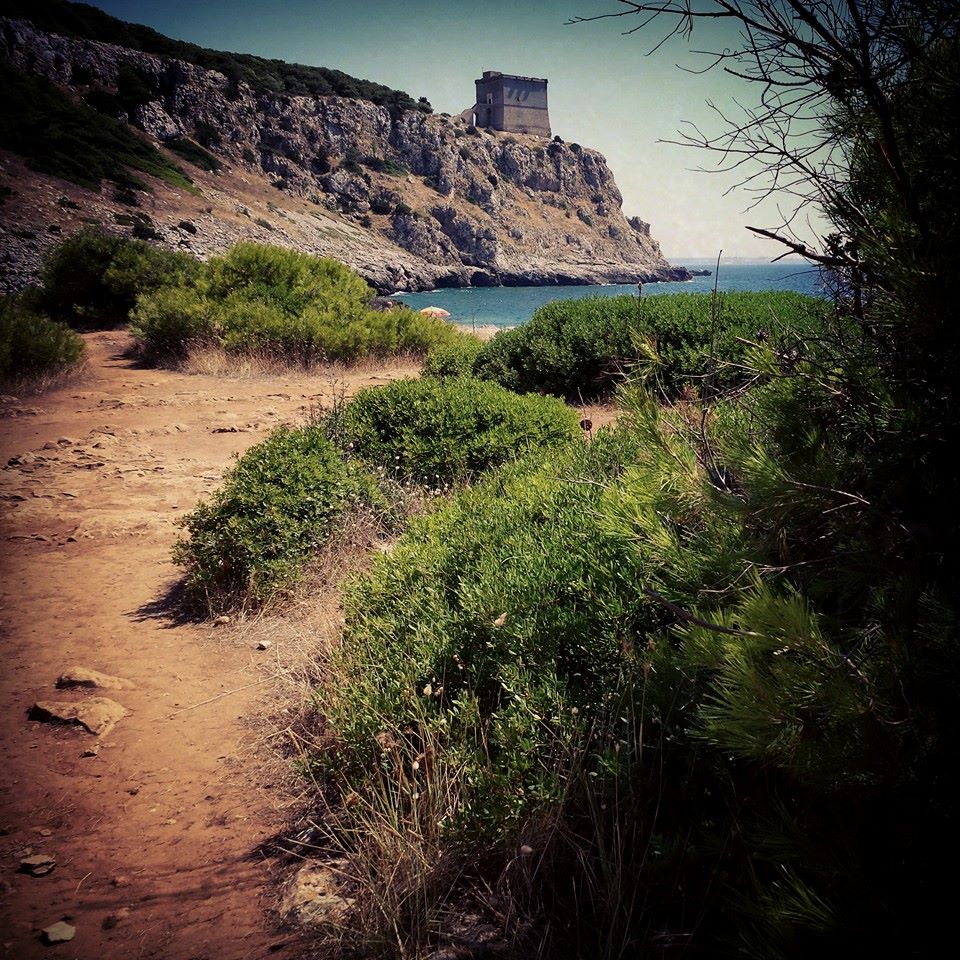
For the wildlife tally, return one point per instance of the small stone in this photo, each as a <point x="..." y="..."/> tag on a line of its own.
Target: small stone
<point x="59" y="932"/>
<point x="221" y="621"/>
<point x="38" y="865"/>
<point x="313" y="896"/>
<point x="98" y="715"/>
<point x="93" y="751"/>
<point x="83" y="677"/>
<point x="119" y="881"/>
<point x="264" y="644"/>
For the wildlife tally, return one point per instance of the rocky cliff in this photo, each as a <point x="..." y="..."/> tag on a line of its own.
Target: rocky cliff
<point x="412" y="201"/>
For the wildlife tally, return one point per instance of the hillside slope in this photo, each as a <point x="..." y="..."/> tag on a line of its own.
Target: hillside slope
<point x="408" y="199"/>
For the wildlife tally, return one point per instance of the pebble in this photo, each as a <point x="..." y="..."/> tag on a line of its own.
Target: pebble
<point x="39" y="865"/>
<point x="59" y="932"/>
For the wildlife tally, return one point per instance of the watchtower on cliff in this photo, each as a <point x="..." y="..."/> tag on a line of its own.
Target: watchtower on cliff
<point x="513" y="104"/>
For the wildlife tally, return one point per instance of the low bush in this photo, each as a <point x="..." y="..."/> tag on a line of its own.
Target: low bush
<point x="568" y="348"/>
<point x="33" y="347"/>
<point x="439" y="431"/>
<point x="454" y="359"/>
<point x="276" y="507"/>
<point x="92" y="279"/>
<point x="585" y="347"/>
<point x="193" y="153"/>
<point x="491" y="667"/>
<point x="278" y="302"/>
<point x="488" y="622"/>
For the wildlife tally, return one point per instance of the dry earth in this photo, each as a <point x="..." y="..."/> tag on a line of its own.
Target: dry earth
<point x="156" y="837"/>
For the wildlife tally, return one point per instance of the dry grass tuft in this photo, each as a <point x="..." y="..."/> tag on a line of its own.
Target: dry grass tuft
<point x="299" y="630"/>
<point x="32" y="386"/>
<point x="214" y="361"/>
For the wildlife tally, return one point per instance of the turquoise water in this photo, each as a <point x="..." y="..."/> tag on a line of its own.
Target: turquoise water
<point x="509" y="306"/>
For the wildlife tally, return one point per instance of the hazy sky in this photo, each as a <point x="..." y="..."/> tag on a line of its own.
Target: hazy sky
<point x="604" y="91"/>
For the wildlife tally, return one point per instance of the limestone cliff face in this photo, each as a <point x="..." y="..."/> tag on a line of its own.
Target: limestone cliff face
<point x="447" y="205"/>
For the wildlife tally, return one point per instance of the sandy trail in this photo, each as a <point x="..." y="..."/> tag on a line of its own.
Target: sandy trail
<point x="155" y="837"/>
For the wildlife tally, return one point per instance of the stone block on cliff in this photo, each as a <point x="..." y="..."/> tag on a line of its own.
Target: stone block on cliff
<point x="154" y="120"/>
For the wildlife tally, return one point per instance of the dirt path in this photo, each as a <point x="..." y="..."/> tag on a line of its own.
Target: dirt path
<point x="155" y="837"/>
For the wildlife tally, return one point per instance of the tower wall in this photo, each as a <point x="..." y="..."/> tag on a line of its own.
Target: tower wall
<point x="513" y="104"/>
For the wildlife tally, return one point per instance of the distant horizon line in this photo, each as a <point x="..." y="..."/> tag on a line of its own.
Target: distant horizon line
<point x="691" y="258"/>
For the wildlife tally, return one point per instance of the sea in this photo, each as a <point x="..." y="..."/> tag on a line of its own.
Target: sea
<point x="513" y="306"/>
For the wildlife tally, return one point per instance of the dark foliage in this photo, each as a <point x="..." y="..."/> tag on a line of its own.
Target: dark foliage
<point x="92" y="279"/>
<point x="32" y="345"/>
<point x="66" y="138"/>
<point x="193" y="153"/>
<point x="586" y="347"/>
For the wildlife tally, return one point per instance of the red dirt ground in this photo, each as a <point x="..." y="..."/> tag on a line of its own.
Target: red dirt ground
<point x="156" y="837"/>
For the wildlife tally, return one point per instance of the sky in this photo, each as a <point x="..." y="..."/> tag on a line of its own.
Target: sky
<point x="604" y="91"/>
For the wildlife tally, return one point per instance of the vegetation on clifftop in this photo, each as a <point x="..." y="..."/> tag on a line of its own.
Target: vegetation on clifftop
<point x="263" y="76"/>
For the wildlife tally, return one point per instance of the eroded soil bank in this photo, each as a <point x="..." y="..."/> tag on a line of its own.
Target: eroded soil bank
<point x="155" y="836"/>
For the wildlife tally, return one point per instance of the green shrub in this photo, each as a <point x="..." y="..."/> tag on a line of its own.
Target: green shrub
<point x="127" y="196"/>
<point x="568" y="348"/>
<point x="193" y="153"/>
<point x="92" y="278"/>
<point x="389" y="167"/>
<point x="33" y="346"/>
<point x="500" y="630"/>
<point x="585" y="347"/>
<point x="455" y="359"/>
<point x="437" y="431"/>
<point x="276" y="301"/>
<point x="276" y="507"/>
<point x="143" y="230"/>
<point x="172" y="319"/>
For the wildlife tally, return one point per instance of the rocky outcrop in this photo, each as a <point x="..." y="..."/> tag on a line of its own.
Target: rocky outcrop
<point x="465" y="206"/>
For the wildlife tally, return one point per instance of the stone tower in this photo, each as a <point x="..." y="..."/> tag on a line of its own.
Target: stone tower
<point x="513" y="104"/>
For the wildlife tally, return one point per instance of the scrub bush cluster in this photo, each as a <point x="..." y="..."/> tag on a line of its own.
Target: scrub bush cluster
<point x="585" y="348"/>
<point x="274" y="301"/>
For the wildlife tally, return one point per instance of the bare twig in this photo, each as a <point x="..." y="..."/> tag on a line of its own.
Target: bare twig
<point x="226" y="693"/>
